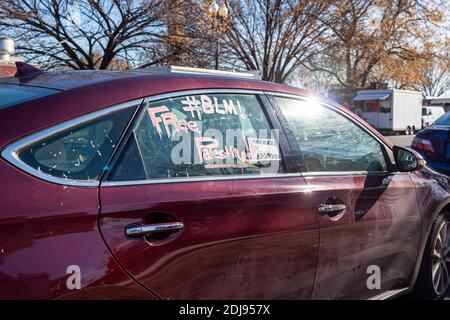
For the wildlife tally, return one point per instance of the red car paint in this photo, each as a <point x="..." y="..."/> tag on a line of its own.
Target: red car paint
<point x="255" y="238"/>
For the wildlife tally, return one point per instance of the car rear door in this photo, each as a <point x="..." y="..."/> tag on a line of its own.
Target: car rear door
<point x="369" y="218"/>
<point x="202" y="201"/>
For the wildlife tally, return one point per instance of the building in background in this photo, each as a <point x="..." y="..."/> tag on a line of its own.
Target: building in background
<point x="7" y="58"/>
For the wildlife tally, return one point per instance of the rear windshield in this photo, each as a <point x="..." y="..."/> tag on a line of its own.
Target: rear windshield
<point x="11" y="94"/>
<point x="443" y="120"/>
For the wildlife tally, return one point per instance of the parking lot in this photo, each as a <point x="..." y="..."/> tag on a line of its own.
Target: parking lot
<point x="401" y="140"/>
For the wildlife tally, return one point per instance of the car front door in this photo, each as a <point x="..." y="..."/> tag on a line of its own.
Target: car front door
<point x="200" y="204"/>
<point x="369" y="218"/>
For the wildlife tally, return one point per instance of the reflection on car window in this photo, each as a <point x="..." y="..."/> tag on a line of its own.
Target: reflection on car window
<point x="201" y="135"/>
<point x="407" y="160"/>
<point x="329" y="141"/>
<point x="81" y="152"/>
<point x="13" y="94"/>
<point x="443" y="120"/>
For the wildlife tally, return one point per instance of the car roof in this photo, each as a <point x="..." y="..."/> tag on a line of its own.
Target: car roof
<point x="72" y="79"/>
<point x="66" y="80"/>
<point x="96" y="89"/>
<point x="82" y="92"/>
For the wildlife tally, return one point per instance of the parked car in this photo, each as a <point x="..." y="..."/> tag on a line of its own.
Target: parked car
<point x="433" y="144"/>
<point x="169" y="185"/>
<point x="431" y="114"/>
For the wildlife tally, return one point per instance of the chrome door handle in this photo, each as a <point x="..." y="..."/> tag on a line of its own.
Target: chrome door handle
<point x="331" y="209"/>
<point x="151" y="229"/>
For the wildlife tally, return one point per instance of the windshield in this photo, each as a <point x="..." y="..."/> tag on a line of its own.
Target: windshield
<point x="11" y="94"/>
<point x="444" y="120"/>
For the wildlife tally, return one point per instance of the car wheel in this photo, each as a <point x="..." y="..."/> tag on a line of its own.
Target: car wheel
<point x="434" y="277"/>
<point x="408" y="131"/>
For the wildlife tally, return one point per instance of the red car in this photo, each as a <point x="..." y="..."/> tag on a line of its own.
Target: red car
<point x="144" y="185"/>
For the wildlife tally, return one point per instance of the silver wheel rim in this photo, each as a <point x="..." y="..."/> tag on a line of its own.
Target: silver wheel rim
<point x="440" y="264"/>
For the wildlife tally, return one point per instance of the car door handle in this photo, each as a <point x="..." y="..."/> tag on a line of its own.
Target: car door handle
<point x="146" y="230"/>
<point x="331" y="209"/>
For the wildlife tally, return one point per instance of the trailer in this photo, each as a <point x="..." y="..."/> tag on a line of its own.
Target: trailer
<point x="390" y="111"/>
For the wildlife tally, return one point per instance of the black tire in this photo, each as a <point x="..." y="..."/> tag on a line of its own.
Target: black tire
<point x="424" y="288"/>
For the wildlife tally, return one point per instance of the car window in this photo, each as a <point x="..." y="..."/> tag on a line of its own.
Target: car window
<point x="330" y="142"/>
<point x="200" y="135"/>
<point x="13" y="94"/>
<point x="80" y="152"/>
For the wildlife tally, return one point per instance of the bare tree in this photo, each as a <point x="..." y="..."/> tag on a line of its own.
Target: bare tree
<point x="364" y="34"/>
<point x="187" y="37"/>
<point x="435" y="76"/>
<point x="82" y="34"/>
<point x="177" y="39"/>
<point x="273" y="36"/>
<point x="320" y="82"/>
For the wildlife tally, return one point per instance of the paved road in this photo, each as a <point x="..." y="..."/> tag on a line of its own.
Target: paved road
<point x="401" y="140"/>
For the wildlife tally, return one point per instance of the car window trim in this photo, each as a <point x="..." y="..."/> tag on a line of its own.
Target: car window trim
<point x="10" y="153"/>
<point x="259" y="94"/>
<point x="289" y="161"/>
<point x="302" y="169"/>
<point x="198" y="179"/>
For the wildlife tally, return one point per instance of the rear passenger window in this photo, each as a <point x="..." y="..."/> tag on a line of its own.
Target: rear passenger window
<point x="329" y="141"/>
<point x="80" y="152"/>
<point x="200" y="135"/>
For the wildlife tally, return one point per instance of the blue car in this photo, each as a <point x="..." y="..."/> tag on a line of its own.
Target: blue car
<point x="434" y="144"/>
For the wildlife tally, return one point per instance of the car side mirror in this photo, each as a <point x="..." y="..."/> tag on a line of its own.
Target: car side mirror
<point x="407" y="160"/>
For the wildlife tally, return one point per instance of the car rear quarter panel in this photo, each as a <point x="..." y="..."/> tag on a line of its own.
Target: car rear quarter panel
<point x="44" y="229"/>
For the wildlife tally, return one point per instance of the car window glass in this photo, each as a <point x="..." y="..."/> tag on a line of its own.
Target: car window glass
<point x="202" y="135"/>
<point x="129" y="165"/>
<point x="80" y="152"/>
<point x="328" y="140"/>
<point x="443" y="120"/>
<point x="13" y="94"/>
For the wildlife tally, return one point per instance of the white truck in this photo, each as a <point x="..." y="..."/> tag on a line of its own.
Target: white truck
<point x="430" y="114"/>
<point x="390" y="111"/>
